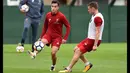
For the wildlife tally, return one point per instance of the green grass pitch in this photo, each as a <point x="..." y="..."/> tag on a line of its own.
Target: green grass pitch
<point x="109" y="58"/>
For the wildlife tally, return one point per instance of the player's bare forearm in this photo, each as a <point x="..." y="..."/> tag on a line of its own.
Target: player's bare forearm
<point x="97" y="36"/>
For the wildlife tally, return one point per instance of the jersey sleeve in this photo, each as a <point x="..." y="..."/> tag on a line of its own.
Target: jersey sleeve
<point x="45" y="26"/>
<point x="67" y="25"/>
<point x="98" y="21"/>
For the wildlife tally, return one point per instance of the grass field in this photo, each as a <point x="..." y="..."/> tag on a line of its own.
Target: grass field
<point x="109" y="58"/>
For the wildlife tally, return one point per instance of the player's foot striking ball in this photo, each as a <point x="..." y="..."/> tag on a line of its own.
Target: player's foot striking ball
<point x="95" y="30"/>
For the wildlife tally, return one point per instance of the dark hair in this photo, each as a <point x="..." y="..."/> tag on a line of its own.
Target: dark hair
<point x="55" y="1"/>
<point x="93" y="4"/>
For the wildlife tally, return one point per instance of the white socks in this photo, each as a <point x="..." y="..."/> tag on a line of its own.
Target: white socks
<point x="68" y="68"/>
<point x="87" y="63"/>
<point x="52" y="65"/>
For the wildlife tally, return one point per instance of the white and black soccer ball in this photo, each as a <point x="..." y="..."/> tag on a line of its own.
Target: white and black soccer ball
<point x="38" y="45"/>
<point x="25" y="7"/>
<point x="20" y="49"/>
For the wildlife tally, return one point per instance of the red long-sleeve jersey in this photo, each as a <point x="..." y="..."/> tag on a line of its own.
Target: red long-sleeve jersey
<point x="53" y="25"/>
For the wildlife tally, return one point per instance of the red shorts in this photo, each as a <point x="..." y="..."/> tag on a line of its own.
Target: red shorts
<point x="87" y="44"/>
<point x="53" y="40"/>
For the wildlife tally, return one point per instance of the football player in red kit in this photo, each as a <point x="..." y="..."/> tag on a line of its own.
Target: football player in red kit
<point x="52" y="31"/>
<point x="92" y="41"/>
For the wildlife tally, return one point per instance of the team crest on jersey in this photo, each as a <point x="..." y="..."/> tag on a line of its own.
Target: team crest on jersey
<point x="85" y="43"/>
<point x="57" y="21"/>
<point x="49" y="20"/>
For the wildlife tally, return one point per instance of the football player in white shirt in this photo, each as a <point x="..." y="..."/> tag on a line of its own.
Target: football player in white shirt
<point x="93" y="40"/>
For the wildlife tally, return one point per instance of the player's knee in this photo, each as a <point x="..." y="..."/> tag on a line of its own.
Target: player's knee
<point x="53" y="53"/>
<point x="44" y="41"/>
<point x="77" y="50"/>
<point x="54" y="50"/>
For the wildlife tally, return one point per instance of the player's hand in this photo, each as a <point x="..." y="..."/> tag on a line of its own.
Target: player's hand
<point x="63" y="41"/>
<point x="22" y="10"/>
<point x="94" y="48"/>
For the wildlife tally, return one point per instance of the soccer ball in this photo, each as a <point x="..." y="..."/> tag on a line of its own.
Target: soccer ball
<point x="20" y="49"/>
<point x="25" y="7"/>
<point x="38" y="45"/>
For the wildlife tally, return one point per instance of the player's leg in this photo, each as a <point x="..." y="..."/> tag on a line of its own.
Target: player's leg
<point x="79" y="50"/>
<point x="53" y="57"/>
<point x="27" y="23"/>
<point x="83" y="59"/>
<point x="76" y="56"/>
<point x="34" y="33"/>
<point x="45" y="40"/>
<point x="55" y="47"/>
<point x="82" y="56"/>
<point x="88" y="47"/>
<point x="88" y="44"/>
<point x="88" y="65"/>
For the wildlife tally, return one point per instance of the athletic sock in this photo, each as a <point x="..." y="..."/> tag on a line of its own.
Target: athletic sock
<point x="68" y="68"/>
<point x="87" y="63"/>
<point x="52" y="65"/>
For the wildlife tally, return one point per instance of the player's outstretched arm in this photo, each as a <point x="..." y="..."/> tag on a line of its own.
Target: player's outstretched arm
<point x="67" y="25"/>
